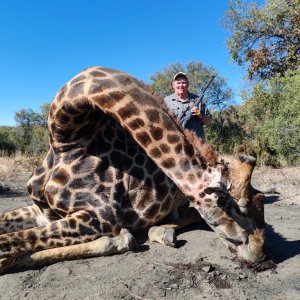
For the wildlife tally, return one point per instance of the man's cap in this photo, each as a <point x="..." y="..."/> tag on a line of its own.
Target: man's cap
<point x="180" y="74"/>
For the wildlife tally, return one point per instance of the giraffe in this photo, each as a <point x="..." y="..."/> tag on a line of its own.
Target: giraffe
<point x="119" y="163"/>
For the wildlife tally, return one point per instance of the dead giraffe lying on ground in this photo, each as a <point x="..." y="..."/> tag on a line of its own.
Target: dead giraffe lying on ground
<point x="119" y="163"/>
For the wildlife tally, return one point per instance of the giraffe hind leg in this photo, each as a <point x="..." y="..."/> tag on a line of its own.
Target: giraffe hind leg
<point x="79" y="227"/>
<point x="100" y="247"/>
<point x="21" y="219"/>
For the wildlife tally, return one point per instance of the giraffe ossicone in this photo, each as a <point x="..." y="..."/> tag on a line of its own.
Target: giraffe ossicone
<point x="119" y="163"/>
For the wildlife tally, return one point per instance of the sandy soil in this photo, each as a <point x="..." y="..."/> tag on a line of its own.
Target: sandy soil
<point x="199" y="268"/>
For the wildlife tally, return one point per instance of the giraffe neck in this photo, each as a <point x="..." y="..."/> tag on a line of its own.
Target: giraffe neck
<point x="126" y="100"/>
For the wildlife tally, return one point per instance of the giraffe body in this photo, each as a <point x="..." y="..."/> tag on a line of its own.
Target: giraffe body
<point x="118" y="160"/>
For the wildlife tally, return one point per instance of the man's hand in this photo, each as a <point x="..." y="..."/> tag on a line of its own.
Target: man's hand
<point x="196" y="112"/>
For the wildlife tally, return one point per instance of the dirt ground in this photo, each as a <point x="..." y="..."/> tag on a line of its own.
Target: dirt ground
<point x="199" y="268"/>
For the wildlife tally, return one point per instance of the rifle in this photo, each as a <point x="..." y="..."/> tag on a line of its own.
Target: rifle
<point x="187" y="113"/>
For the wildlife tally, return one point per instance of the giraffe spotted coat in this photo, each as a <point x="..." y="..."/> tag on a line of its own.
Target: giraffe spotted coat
<point x="118" y="161"/>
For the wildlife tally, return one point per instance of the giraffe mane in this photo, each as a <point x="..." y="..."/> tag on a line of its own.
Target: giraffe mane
<point x="205" y="150"/>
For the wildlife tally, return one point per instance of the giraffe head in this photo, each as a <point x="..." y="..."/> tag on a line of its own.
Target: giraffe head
<point x="251" y="204"/>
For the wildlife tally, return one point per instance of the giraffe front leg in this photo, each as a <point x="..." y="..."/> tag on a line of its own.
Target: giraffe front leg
<point x="22" y="218"/>
<point x="165" y="233"/>
<point x="77" y="228"/>
<point x="102" y="246"/>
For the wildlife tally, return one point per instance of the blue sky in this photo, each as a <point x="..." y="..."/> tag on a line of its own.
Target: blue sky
<point x="45" y="43"/>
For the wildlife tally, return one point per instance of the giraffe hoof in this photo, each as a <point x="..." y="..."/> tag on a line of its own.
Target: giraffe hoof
<point x="162" y="236"/>
<point x="169" y="237"/>
<point x="128" y="240"/>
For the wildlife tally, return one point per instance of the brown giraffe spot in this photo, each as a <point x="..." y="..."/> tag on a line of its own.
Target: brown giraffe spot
<point x="108" y="215"/>
<point x="76" y="90"/>
<point x="38" y="182"/>
<point x="152" y="211"/>
<point x="128" y="111"/>
<point x="105" y="101"/>
<point x="84" y="230"/>
<point x="20" y="234"/>
<point x="124" y="79"/>
<point x="169" y="163"/>
<point x="152" y="115"/>
<point x="136" y="123"/>
<point x="178" y="149"/>
<point x="179" y="175"/>
<point x="165" y="148"/>
<point x="202" y="195"/>
<point x="39" y="170"/>
<point x="69" y="109"/>
<point x="191" y="178"/>
<point x="200" y="186"/>
<point x="144" y="138"/>
<point x="168" y="124"/>
<point x="101" y="86"/>
<point x="77" y="79"/>
<point x="189" y="150"/>
<point x="62" y="118"/>
<point x="72" y="224"/>
<point x="68" y="242"/>
<point x="49" y="195"/>
<point x="165" y="205"/>
<point x="97" y="73"/>
<point x="106" y="228"/>
<point x="61" y="176"/>
<point x="155" y="152"/>
<point x="184" y="164"/>
<point x="79" y="120"/>
<point x="156" y="133"/>
<point x="130" y="217"/>
<point x="60" y="95"/>
<point x="84" y="166"/>
<point x="173" y="138"/>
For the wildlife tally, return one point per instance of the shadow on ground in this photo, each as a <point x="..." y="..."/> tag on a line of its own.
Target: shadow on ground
<point x="278" y="247"/>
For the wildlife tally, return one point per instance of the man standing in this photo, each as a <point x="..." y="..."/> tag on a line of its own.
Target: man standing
<point x="182" y="104"/>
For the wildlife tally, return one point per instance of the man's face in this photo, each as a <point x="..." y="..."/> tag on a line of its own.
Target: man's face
<point x="180" y="85"/>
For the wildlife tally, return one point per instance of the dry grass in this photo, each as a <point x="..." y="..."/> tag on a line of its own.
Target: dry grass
<point x="14" y="165"/>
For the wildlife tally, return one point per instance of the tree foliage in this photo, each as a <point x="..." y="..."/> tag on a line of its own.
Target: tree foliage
<point x="30" y="136"/>
<point x="271" y="115"/>
<point x="266" y="39"/>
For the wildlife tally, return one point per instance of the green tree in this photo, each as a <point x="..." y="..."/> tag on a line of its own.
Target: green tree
<point x="31" y="133"/>
<point x="7" y="144"/>
<point x="266" y="39"/>
<point x="271" y="114"/>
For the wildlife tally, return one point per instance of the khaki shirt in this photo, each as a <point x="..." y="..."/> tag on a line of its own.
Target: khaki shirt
<point x="181" y="109"/>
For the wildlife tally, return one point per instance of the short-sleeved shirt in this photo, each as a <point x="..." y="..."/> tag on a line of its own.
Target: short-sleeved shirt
<point x="181" y="109"/>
